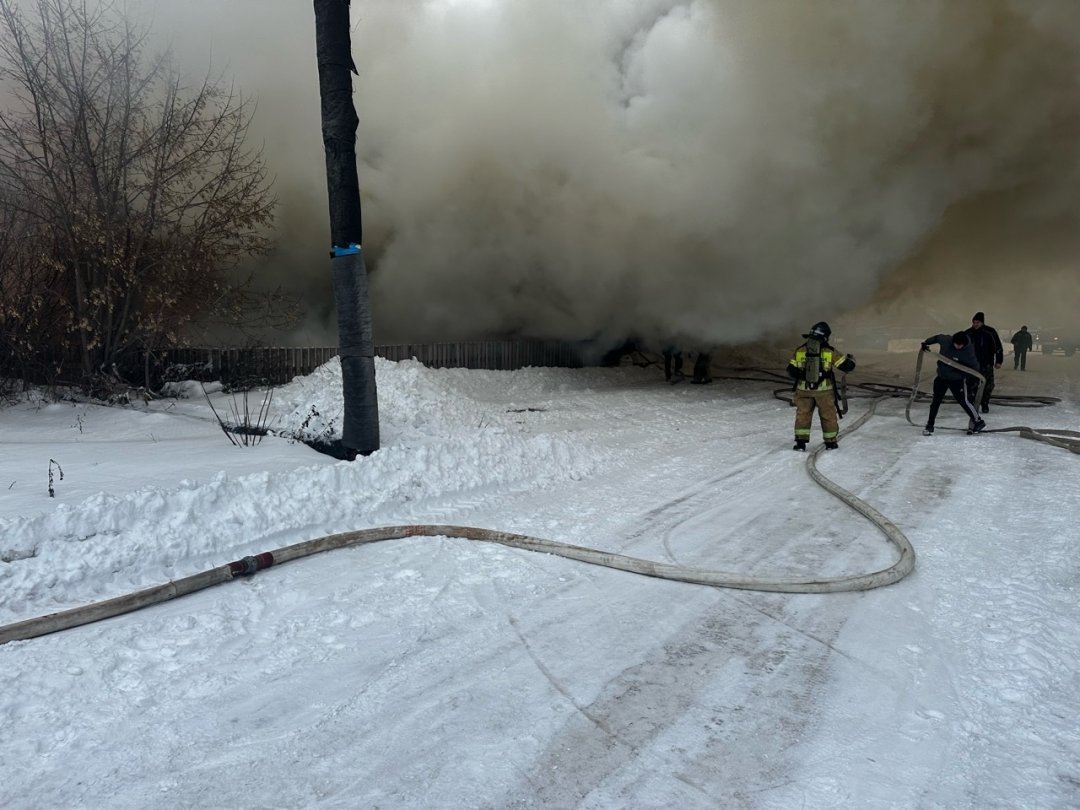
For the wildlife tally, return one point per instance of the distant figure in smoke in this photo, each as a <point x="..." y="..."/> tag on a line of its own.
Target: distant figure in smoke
<point x="990" y="354"/>
<point x="813" y="368"/>
<point x="673" y="365"/>
<point x="958" y="348"/>
<point x="1021" y="342"/>
<point x="701" y="368"/>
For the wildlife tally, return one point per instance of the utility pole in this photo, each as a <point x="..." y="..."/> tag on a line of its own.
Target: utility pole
<point x="333" y="45"/>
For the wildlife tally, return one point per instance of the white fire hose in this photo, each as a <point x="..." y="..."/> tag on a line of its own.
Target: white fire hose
<point x="75" y="617"/>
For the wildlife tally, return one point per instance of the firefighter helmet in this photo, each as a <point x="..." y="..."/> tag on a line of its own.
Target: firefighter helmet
<point x="819" y="330"/>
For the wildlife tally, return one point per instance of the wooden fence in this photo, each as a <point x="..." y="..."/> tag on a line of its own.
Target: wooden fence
<point x="278" y="365"/>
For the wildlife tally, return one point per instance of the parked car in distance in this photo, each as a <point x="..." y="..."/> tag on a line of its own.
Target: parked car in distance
<point x="1055" y="340"/>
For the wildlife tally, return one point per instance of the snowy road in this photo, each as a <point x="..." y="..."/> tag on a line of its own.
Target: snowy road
<point x="445" y="673"/>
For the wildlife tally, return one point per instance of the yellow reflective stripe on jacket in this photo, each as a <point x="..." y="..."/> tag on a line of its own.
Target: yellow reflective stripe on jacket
<point x="828" y="358"/>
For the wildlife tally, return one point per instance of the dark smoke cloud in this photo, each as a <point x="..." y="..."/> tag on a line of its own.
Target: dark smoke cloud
<point x="707" y="171"/>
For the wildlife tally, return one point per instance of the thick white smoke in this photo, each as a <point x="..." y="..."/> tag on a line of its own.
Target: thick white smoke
<point x="707" y="171"/>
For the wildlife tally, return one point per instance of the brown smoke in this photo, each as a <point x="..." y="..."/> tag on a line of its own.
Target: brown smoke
<point x="710" y="171"/>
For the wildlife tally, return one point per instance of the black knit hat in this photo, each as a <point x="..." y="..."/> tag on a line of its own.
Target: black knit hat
<point x="979" y="316"/>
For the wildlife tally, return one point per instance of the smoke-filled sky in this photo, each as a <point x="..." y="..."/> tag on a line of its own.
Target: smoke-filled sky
<point x="707" y="171"/>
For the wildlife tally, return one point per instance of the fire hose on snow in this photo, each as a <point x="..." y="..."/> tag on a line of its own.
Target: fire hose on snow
<point x="1065" y="439"/>
<point x="75" y="617"/>
<point x="248" y="566"/>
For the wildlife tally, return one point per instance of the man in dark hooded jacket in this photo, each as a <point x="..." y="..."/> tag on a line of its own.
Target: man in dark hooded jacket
<point x="1021" y="342"/>
<point x="989" y="352"/>
<point x="959" y="349"/>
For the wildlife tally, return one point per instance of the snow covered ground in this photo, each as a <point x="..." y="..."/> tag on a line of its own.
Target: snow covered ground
<point x="445" y="673"/>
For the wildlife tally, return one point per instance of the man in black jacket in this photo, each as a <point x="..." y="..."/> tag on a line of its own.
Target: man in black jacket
<point x="1021" y="342"/>
<point x="989" y="352"/>
<point x="957" y="348"/>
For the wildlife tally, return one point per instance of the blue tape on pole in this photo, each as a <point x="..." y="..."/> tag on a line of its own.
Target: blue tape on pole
<point x="351" y="250"/>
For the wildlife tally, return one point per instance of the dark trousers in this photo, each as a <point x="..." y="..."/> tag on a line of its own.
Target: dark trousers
<point x="701" y="368"/>
<point x="960" y="394"/>
<point x="672" y="363"/>
<point x="1020" y="359"/>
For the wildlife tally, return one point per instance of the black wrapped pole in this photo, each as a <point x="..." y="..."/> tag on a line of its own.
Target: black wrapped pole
<point x="360" y="427"/>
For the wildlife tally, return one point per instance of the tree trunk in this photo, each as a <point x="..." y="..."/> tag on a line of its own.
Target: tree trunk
<point x="360" y="427"/>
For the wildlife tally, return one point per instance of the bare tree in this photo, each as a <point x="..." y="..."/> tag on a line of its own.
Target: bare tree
<point x="30" y="306"/>
<point x="137" y="194"/>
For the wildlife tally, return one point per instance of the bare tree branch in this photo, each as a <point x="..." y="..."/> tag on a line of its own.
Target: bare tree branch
<point x="139" y="194"/>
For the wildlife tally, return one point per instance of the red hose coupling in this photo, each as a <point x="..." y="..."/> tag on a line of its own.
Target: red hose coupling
<point x="249" y="565"/>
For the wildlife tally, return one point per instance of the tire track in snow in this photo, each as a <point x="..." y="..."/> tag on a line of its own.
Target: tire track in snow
<point x="690" y="688"/>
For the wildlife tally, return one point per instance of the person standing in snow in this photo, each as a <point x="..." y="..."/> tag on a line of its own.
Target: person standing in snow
<point x="673" y="362"/>
<point x="959" y="349"/>
<point x="989" y="352"/>
<point x="813" y="368"/>
<point x="702" y="366"/>
<point x="1021" y="342"/>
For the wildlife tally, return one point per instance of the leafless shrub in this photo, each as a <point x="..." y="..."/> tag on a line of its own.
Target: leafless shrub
<point x="53" y="463"/>
<point x="246" y="427"/>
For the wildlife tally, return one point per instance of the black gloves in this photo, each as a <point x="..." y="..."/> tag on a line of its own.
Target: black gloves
<point x="924" y="346"/>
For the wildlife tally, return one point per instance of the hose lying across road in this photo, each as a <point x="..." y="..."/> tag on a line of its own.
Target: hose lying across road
<point x="75" y="617"/>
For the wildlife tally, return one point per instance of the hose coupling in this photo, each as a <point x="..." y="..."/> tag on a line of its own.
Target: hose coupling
<point x="249" y="565"/>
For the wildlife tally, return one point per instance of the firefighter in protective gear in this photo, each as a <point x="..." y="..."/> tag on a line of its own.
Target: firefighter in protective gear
<point x="814" y="368"/>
